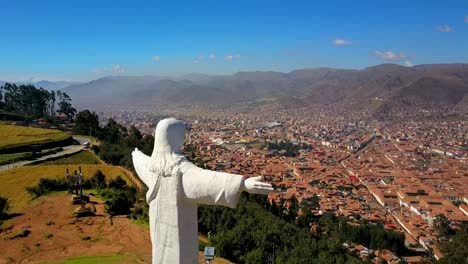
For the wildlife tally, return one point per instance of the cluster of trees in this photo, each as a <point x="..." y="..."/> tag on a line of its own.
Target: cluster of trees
<point x="117" y="142"/>
<point x="259" y="232"/>
<point x="251" y="234"/>
<point x="31" y="101"/>
<point x="456" y="250"/>
<point x="290" y="149"/>
<point x="373" y="236"/>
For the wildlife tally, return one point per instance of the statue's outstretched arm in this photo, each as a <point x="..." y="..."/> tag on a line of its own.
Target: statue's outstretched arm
<point x="217" y="188"/>
<point x="140" y="161"/>
<point x="210" y="187"/>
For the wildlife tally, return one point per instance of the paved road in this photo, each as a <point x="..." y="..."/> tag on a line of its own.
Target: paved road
<point x="66" y="151"/>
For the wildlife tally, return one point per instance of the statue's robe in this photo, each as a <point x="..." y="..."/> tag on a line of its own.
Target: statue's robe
<point x="173" y="205"/>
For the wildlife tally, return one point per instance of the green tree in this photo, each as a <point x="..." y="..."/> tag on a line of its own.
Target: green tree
<point x="315" y="201"/>
<point x="65" y="106"/>
<point x="114" y="132"/>
<point x="99" y="180"/>
<point x="4" y="205"/>
<point x="27" y="99"/>
<point x="1" y="97"/>
<point x="442" y="225"/>
<point x="456" y="250"/>
<point x="87" y="123"/>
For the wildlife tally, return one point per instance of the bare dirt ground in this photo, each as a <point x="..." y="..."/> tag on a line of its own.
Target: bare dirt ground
<point x="56" y="234"/>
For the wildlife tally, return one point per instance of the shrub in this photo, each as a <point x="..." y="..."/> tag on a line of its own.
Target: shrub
<point x="119" y="204"/>
<point x="47" y="185"/>
<point x="85" y="237"/>
<point x="22" y="233"/>
<point x="98" y="180"/>
<point x="117" y="183"/>
<point x="4" y="205"/>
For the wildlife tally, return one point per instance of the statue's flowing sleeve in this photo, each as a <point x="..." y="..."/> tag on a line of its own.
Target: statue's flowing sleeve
<point x="140" y="162"/>
<point x="210" y="187"/>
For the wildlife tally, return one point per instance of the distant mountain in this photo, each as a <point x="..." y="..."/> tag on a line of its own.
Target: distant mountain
<point x="48" y="85"/>
<point x="54" y="85"/>
<point x="393" y="85"/>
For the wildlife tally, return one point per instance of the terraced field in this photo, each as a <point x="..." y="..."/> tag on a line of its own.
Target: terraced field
<point x="16" y="136"/>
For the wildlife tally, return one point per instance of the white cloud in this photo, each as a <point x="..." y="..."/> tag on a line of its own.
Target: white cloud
<point x="408" y="63"/>
<point x="117" y="68"/>
<point x="390" y="55"/>
<point x="156" y="58"/>
<point x="444" y="28"/>
<point x="341" y="42"/>
<point x="112" y="69"/>
<point x="466" y="19"/>
<point x="212" y="56"/>
<point x="196" y="61"/>
<point x="232" y="57"/>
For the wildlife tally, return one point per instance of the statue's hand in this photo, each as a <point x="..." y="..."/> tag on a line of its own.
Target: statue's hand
<point x="255" y="185"/>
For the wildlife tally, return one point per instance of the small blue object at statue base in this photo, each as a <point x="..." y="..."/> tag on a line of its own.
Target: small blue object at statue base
<point x="209" y="253"/>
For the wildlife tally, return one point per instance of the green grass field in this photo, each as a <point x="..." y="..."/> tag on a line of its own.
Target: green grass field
<point x="15" y="157"/>
<point x="13" y="136"/>
<point x="119" y="258"/>
<point x="110" y="259"/>
<point x="15" y="181"/>
<point x="10" y="158"/>
<point x="80" y="158"/>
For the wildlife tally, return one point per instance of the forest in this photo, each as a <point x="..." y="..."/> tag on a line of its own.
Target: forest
<point x="35" y="102"/>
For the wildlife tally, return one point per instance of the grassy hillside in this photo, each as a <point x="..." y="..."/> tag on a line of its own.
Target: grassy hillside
<point x="14" y="182"/>
<point x="17" y="136"/>
<point x="80" y="158"/>
<point x="9" y="158"/>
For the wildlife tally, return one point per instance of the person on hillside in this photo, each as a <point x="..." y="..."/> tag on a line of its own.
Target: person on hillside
<point x="77" y="181"/>
<point x="67" y="176"/>
<point x="80" y="181"/>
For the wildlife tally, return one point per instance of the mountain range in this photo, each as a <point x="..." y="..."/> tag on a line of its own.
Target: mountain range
<point x="48" y="85"/>
<point x="388" y="86"/>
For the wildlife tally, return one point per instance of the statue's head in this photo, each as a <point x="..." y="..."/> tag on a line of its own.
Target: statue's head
<point x="169" y="135"/>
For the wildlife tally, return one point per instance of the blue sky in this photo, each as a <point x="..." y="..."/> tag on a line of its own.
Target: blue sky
<point x="83" y="40"/>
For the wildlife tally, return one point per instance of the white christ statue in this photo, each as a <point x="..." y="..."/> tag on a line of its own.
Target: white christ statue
<point x="176" y="187"/>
